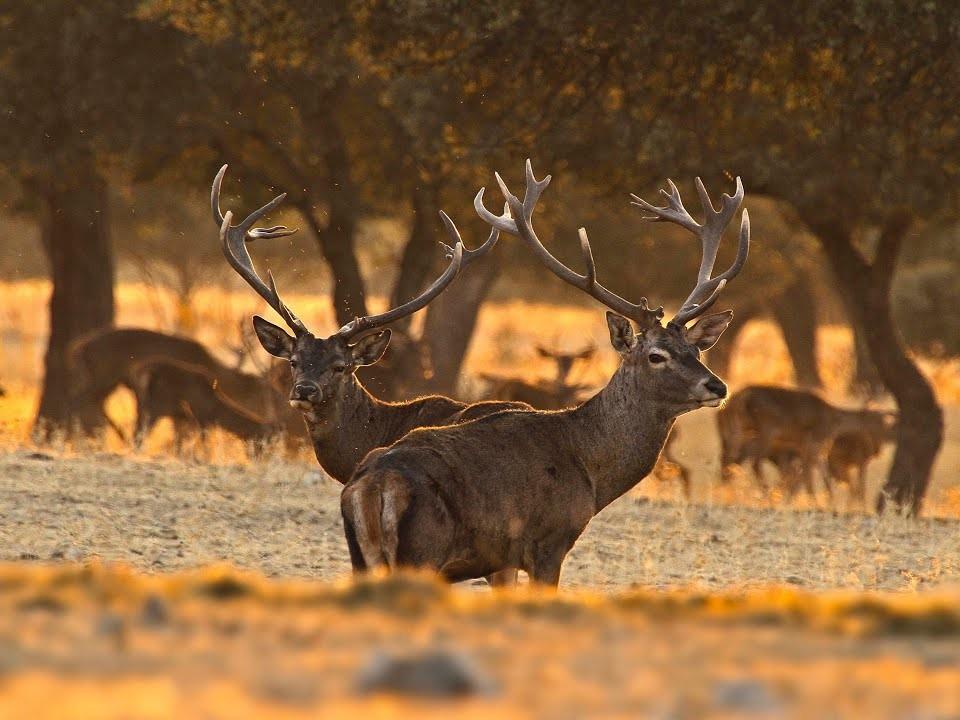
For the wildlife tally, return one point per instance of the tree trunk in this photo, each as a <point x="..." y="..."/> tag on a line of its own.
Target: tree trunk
<point x="452" y="318"/>
<point x="336" y="238"/>
<point x="77" y="244"/>
<point x="865" y="380"/>
<point x="420" y="254"/>
<point x="920" y="426"/>
<point x="795" y="312"/>
<point x="720" y="356"/>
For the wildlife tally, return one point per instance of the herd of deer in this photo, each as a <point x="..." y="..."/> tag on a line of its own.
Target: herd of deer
<point x="487" y="488"/>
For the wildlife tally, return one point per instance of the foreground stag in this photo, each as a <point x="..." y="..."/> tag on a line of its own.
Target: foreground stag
<point x="516" y="489"/>
<point x="345" y="421"/>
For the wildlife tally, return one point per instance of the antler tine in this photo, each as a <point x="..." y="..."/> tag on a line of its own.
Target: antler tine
<point x="469" y="255"/>
<point x="506" y="223"/>
<point x="233" y="239"/>
<point x="368" y="322"/>
<point x="522" y="226"/>
<point x="707" y="288"/>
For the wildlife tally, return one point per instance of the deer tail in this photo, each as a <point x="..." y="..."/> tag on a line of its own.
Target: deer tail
<point x="374" y="507"/>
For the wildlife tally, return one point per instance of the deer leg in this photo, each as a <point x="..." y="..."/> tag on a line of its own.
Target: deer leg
<point x="825" y="474"/>
<point x="685" y="480"/>
<point x="758" y="477"/>
<point x="142" y="427"/>
<point x="858" y="486"/>
<point x="548" y="558"/>
<point x="357" y="562"/>
<point x="503" y="578"/>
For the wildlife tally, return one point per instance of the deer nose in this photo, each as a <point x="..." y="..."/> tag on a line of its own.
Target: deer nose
<point x="716" y="386"/>
<point x="304" y="391"/>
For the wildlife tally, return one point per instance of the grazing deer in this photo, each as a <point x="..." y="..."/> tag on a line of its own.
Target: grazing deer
<point x="102" y="360"/>
<point x="516" y="489"/>
<point x="552" y="395"/>
<point x="793" y="428"/>
<point x="849" y="456"/>
<point x="189" y="395"/>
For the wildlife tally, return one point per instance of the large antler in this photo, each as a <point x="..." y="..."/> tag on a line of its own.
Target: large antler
<point x="518" y="221"/>
<point x="708" y="288"/>
<point x="233" y="239"/>
<point x="459" y="256"/>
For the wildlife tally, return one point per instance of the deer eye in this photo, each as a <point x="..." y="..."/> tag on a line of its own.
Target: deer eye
<point x="339" y="368"/>
<point x="656" y="358"/>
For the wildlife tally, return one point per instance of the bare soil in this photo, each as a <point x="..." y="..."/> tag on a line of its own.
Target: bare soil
<point x="283" y="520"/>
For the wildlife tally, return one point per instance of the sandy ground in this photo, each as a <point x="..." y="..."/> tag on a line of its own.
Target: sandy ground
<point x="283" y="520"/>
<point x="100" y="642"/>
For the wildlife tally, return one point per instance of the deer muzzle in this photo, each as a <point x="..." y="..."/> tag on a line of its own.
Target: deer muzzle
<point x="304" y="394"/>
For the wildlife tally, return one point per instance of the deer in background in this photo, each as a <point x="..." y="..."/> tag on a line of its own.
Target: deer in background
<point x="850" y="454"/>
<point x="103" y="360"/>
<point x="795" y="429"/>
<point x="190" y="396"/>
<point x="550" y="395"/>
<point x="516" y="489"/>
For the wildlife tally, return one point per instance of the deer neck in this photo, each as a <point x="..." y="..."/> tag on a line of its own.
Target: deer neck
<point x="848" y="421"/>
<point x="344" y="429"/>
<point x="619" y="434"/>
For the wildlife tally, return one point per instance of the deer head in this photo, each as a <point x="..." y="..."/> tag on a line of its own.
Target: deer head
<point x="322" y="367"/>
<point x="663" y="362"/>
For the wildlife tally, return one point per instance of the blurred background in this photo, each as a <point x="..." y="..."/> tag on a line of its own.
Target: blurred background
<point x="706" y="591"/>
<point x="374" y="115"/>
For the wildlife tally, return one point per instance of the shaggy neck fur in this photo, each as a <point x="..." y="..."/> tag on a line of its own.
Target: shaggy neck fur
<point x="344" y="428"/>
<point x="620" y="432"/>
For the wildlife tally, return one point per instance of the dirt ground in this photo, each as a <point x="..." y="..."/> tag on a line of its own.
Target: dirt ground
<point x="99" y="641"/>
<point x="283" y="520"/>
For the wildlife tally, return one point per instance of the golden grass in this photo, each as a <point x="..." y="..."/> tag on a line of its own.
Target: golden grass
<point x="104" y="641"/>
<point x="503" y="344"/>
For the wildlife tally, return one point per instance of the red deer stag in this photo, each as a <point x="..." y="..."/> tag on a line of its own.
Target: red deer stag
<point x="345" y="422"/>
<point x="555" y="394"/>
<point x="516" y="489"/>
<point x="795" y="429"/>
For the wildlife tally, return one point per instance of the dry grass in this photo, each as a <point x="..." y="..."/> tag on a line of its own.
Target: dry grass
<point x="101" y="641"/>
<point x="746" y="607"/>
<point x="504" y="344"/>
<point x="284" y="520"/>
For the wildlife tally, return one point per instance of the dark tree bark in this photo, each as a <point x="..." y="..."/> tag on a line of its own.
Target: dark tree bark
<point x="866" y="380"/>
<point x="77" y="244"/>
<point x="795" y="312"/>
<point x="421" y="253"/>
<point x="452" y="318"/>
<point x="336" y="238"/>
<point x="920" y="426"/>
<point x="720" y="357"/>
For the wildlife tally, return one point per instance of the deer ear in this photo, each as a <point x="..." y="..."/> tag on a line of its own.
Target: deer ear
<point x="622" y="336"/>
<point x="707" y="330"/>
<point x="370" y="348"/>
<point x="273" y="338"/>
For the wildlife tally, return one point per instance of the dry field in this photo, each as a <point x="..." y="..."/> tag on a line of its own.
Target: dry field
<point x="99" y="641"/>
<point x="668" y="608"/>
